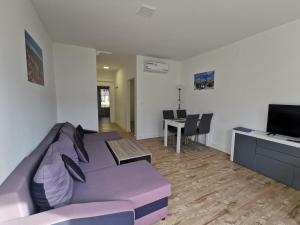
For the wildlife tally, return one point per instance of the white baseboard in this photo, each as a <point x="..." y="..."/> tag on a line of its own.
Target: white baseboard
<point x="146" y="136"/>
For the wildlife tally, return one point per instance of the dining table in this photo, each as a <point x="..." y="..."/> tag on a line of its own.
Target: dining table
<point x="179" y="124"/>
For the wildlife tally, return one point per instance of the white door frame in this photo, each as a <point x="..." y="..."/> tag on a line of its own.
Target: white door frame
<point x="128" y="116"/>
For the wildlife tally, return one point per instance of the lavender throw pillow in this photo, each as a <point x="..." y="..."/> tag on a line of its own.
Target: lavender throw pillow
<point x="52" y="185"/>
<point x="68" y="129"/>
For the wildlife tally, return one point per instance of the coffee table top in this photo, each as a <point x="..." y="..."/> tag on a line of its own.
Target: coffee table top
<point x="125" y="149"/>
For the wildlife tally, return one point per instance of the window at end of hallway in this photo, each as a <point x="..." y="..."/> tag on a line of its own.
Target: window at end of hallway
<point x="105" y="103"/>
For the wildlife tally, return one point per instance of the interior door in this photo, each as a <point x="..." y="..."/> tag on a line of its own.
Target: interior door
<point x="103" y="101"/>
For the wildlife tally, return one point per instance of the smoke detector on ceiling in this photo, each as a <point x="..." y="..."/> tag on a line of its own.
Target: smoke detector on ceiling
<point x="146" y="11"/>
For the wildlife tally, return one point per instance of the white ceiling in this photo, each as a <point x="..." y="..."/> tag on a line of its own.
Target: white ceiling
<point x="178" y="29"/>
<point x="114" y="61"/>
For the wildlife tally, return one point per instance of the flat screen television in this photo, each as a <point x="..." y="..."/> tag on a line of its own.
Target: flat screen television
<point x="284" y="120"/>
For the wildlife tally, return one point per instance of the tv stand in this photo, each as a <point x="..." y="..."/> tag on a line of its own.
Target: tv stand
<point x="276" y="156"/>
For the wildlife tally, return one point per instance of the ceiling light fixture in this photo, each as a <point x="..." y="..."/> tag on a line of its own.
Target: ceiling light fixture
<point x="106" y="67"/>
<point x="103" y="52"/>
<point x="146" y="11"/>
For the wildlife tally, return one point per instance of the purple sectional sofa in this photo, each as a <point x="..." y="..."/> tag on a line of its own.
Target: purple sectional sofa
<point x="129" y="194"/>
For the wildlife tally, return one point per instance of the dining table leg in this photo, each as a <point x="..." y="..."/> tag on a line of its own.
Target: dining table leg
<point x="166" y="134"/>
<point x="178" y="139"/>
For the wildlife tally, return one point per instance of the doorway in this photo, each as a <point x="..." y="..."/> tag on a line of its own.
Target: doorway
<point x="132" y="104"/>
<point x="104" y="103"/>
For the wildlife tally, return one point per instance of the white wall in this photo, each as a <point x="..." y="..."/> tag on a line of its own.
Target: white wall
<point x="123" y="75"/>
<point x="155" y="92"/>
<point x="106" y="75"/>
<point x="132" y="100"/>
<point x="250" y="74"/>
<point x="27" y="110"/>
<point x="76" y="85"/>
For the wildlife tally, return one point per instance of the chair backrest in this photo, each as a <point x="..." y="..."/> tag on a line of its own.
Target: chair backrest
<point x="191" y="125"/>
<point x="168" y="114"/>
<point x="204" y="125"/>
<point x="181" y="113"/>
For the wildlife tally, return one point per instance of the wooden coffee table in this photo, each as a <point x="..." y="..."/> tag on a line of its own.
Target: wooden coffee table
<point x="126" y="151"/>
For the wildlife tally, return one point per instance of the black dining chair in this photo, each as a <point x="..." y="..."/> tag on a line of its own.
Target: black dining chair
<point x="190" y="127"/>
<point x="181" y="113"/>
<point x="204" y="125"/>
<point x="169" y="114"/>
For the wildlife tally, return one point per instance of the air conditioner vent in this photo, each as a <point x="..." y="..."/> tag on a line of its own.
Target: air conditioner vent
<point x="156" y="67"/>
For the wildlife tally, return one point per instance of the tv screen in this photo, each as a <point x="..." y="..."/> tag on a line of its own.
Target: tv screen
<point x="284" y="120"/>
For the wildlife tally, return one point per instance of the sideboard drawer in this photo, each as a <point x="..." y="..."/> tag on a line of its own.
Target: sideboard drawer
<point x="275" y="169"/>
<point x="279" y="147"/>
<point x="286" y="158"/>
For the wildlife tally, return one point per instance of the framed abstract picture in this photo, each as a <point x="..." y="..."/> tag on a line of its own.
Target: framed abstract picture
<point x="34" y="58"/>
<point x="204" y="81"/>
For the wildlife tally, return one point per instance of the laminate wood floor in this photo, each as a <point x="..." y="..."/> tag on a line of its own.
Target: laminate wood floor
<point x="207" y="188"/>
<point x="106" y="126"/>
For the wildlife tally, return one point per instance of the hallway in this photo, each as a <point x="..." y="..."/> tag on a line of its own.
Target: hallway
<point x="106" y="126"/>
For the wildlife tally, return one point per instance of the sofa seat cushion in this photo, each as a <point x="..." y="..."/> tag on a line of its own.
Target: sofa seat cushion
<point x="137" y="182"/>
<point x="100" y="157"/>
<point x="103" y="136"/>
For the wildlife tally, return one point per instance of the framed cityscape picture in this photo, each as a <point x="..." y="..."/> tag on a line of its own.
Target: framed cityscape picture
<point x="204" y="81"/>
<point x="34" y="58"/>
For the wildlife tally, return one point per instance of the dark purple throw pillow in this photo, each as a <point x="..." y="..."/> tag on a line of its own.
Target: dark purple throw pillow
<point x="73" y="168"/>
<point x="80" y="131"/>
<point x="65" y="145"/>
<point x="80" y="149"/>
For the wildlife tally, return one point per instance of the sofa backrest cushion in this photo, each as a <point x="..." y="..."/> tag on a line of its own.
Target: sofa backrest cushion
<point x="15" y="197"/>
<point x="52" y="185"/>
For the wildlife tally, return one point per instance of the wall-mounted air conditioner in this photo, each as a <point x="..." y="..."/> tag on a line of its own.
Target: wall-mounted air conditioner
<point x="156" y="67"/>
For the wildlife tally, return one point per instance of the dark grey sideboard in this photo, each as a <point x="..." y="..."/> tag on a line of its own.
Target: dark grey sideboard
<point x="275" y="157"/>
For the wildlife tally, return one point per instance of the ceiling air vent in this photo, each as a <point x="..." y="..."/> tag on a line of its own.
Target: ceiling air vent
<point x="146" y="11"/>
